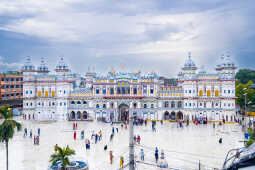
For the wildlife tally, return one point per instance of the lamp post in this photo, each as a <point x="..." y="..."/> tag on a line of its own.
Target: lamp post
<point x="249" y="114"/>
<point x="245" y="94"/>
<point x="131" y="141"/>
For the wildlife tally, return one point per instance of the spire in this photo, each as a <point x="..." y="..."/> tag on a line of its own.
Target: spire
<point x="189" y="55"/>
<point x="189" y="63"/>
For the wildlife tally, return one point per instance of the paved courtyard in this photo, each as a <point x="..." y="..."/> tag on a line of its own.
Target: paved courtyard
<point x="183" y="147"/>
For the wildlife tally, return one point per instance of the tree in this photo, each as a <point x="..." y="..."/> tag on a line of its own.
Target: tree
<point x="240" y="94"/>
<point x="7" y="128"/>
<point x="62" y="156"/>
<point x="245" y="75"/>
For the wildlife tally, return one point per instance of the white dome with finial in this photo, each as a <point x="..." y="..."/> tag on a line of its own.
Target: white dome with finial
<point x="189" y="63"/>
<point x="43" y="66"/>
<point x="62" y="66"/>
<point x="28" y="66"/>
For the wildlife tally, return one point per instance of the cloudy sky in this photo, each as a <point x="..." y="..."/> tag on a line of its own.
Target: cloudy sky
<point x="145" y="34"/>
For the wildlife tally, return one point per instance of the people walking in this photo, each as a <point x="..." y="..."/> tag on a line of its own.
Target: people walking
<point x="105" y="147"/>
<point x="82" y="134"/>
<point x="38" y="140"/>
<point x="162" y="156"/>
<point x="25" y="132"/>
<point x="73" y="126"/>
<point x="121" y="162"/>
<point x="74" y="135"/>
<point x="34" y="140"/>
<point x="111" y="137"/>
<point x="100" y="135"/>
<point x="111" y="157"/>
<point x="39" y="131"/>
<point x="138" y="139"/>
<point x="31" y="134"/>
<point x="156" y="155"/>
<point x="142" y="155"/>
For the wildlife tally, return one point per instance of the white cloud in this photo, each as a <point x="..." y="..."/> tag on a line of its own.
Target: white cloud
<point x="136" y="30"/>
<point x="7" y="66"/>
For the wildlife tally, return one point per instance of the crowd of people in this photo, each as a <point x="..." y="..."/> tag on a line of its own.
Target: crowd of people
<point x="36" y="138"/>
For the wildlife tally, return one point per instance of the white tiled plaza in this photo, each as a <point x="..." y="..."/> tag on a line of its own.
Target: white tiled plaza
<point x="183" y="147"/>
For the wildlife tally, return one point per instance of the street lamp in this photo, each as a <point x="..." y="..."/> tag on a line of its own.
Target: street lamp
<point x="249" y="115"/>
<point x="245" y="94"/>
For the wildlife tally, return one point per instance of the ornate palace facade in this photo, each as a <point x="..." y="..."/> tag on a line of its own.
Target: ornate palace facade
<point x="66" y="96"/>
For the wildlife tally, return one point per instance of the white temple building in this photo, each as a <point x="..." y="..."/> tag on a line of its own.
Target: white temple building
<point x="66" y="96"/>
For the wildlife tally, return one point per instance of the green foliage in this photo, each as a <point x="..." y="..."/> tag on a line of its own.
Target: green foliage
<point x="62" y="155"/>
<point x="249" y="142"/>
<point x="7" y="128"/>
<point x="240" y="94"/>
<point x="8" y="125"/>
<point x="245" y="75"/>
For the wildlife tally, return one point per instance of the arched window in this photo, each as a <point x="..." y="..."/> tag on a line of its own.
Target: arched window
<point x="53" y="93"/>
<point x="104" y="90"/>
<point x="112" y="91"/>
<point x="97" y="106"/>
<point x="135" y="105"/>
<point x="79" y="102"/>
<point x="78" y="115"/>
<point x="118" y="90"/>
<point x="145" y="106"/>
<point x="152" y="105"/>
<point x="172" y="104"/>
<point x="104" y="106"/>
<point x="84" y="102"/>
<point x="217" y="93"/>
<point x="39" y="93"/>
<point x="46" y="93"/>
<point x="112" y="105"/>
<point x="72" y="102"/>
<point x="208" y="93"/>
<point x="166" y="104"/>
<point x="179" y="104"/>
<point x="200" y="93"/>
<point x="135" y="91"/>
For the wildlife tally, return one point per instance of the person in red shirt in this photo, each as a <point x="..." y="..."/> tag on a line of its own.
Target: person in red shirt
<point x="74" y="135"/>
<point x="138" y="139"/>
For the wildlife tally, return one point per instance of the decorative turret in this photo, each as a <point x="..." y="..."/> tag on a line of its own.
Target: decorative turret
<point x="189" y="69"/>
<point x="28" y="66"/>
<point x="226" y="68"/>
<point x="62" y="68"/>
<point x="43" y="68"/>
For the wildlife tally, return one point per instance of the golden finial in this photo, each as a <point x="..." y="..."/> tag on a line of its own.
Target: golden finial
<point x="122" y="66"/>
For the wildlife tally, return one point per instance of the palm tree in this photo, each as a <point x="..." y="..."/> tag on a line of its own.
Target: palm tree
<point x="62" y="156"/>
<point x="7" y="128"/>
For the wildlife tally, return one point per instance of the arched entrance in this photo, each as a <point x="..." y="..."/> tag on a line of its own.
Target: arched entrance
<point x="180" y="115"/>
<point x="78" y="115"/>
<point x="123" y="112"/>
<point x="166" y="115"/>
<point x="172" y="115"/>
<point x="72" y="115"/>
<point x="85" y="115"/>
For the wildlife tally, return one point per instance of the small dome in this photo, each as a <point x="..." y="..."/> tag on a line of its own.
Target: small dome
<point x="62" y="66"/>
<point x="43" y="66"/>
<point x="189" y="63"/>
<point x="228" y="62"/>
<point x="28" y="66"/>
